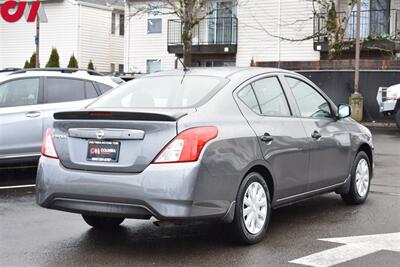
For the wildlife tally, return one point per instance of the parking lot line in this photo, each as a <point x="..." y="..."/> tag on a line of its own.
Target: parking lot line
<point x="17" y="186"/>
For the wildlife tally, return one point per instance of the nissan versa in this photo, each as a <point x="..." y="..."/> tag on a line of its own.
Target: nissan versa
<point x="216" y="143"/>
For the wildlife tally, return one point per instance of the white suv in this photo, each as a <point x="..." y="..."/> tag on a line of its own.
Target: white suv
<point x="28" y="99"/>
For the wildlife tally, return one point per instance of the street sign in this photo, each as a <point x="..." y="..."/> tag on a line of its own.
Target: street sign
<point x="354" y="247"/>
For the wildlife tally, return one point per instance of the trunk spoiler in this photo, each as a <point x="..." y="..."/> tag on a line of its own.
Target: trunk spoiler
<point x="119" y="115"/>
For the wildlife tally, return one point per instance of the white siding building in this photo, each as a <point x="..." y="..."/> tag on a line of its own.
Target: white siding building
<point x="89" y="29"/>
<point x="252" y="35"/>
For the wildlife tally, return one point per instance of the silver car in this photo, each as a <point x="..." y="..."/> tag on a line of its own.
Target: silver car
<point x="219" y="143"/>
<point x="28" y="99"/>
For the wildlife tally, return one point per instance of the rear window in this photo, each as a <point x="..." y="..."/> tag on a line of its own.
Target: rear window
<point x="162" y="92"/>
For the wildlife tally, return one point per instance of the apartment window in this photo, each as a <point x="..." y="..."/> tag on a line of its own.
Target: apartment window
<point x="112" y="67"/>
<point x="121" y="68"/>
<point x="154" y="19"/>
<point x="121" y="25"/>
<point x="113" y="17"/>
<point x="153" y="65"/>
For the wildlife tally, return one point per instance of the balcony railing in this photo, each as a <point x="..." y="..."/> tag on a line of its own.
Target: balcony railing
<point x="210" y="31"/>
<point x="375" y="24"/>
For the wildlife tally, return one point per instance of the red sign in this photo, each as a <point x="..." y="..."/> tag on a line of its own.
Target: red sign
<point x="12" y="11"/>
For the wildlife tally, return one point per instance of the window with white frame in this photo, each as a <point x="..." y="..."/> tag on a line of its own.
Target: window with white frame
<point x="153" y="65"/>
<point x="154" y="18"/>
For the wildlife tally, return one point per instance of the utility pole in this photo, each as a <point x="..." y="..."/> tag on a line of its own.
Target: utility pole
<point x="356" y="100"/>
<point x="37" y="41"/>
<point x="357" y="63"/>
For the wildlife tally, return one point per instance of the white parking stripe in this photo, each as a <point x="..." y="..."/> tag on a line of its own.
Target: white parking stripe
<point x="354" y="247"/>
<point x="17" y="186"/>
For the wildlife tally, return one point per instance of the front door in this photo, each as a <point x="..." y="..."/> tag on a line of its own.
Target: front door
<point x="281" y="136"/>
<point x="20" y="118"/>
<point x="329" y="139"/>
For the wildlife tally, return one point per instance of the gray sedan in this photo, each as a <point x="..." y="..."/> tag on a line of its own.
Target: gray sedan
<point x="228" y="144"/>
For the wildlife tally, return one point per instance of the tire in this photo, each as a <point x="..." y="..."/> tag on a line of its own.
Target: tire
<point x="99" y="222"/>
<point x="359" y="184"/>
<point x="253" y="232"/>
<point x="397" y="119"/>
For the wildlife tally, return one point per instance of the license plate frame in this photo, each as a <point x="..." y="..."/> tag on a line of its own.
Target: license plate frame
<point x="103" y="151"/>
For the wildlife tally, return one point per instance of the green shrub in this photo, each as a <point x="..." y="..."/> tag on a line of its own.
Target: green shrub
<point x="73" y="63"/>
<point x="54" y="60"/>
<point x="90" y="65"/>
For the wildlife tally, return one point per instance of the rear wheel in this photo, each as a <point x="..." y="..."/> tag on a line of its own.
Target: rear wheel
<point x="102" y="222"/>
<point x="397" y="118"/>
<point x="360" y="180"/>
<point x="253" y="209"/>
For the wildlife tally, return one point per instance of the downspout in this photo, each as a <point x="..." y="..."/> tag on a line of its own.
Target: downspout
<point x="79" y="35"/>
<point x="279" y="32"/>
<point x="128" y="36"/>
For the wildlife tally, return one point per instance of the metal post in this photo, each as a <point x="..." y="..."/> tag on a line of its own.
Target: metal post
<point x="357" y="63"/>
<point x="37" y="41"/>
<point x="356" y="100"/>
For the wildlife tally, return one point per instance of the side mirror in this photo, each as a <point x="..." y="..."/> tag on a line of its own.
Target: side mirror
<point x="344" y="111"/>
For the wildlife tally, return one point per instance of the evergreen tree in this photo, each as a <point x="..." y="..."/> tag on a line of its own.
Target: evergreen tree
<point x="54" y="60"/>
<point x="32" y="61"/>
<point x="90" y="65"/>
<point x="26" y="65"/>
<point x="73" y="63"/>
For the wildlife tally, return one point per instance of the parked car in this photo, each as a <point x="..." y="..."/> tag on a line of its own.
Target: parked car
<point x="28" y="99"/>
<point x="389" y="102"/>
<point x="217" y="143"/>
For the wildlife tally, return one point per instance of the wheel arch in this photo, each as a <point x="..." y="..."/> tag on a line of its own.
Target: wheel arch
<point x="368" y="150"/>
<point x="266" y="174"/>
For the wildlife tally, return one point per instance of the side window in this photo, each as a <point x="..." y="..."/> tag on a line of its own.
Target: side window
<point x="310" y="102"/>
<point x="271" y="97"/>
<point x="248" y="97"/>
<point x="103" y="87"/>
<point x="19" y="92"/>
<point x="63" y="90"/>
<point x="90" y="90"/>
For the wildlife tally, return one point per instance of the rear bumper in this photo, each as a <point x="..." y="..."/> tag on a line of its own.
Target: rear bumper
<point x="164" y="191"/>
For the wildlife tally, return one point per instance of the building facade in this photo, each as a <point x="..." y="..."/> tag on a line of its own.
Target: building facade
<point x="89" y="29"/>
<point x="275" y="31"/>
<point x="232" y="35"/>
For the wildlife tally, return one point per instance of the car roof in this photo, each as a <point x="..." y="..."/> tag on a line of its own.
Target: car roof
<point x="79" y="74"/>
<point x="222" y="72"/>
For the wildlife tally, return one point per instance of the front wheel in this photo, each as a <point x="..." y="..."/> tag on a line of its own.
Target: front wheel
<point x="360" y="180"/>
<point x="102" y="222"/>
<point x="253" y="208"/>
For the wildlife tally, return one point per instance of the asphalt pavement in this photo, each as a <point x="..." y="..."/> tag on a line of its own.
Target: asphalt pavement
<point x="33" y="236"/>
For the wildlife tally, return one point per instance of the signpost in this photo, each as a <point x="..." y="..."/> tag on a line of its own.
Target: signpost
<point x="354" y="247"/>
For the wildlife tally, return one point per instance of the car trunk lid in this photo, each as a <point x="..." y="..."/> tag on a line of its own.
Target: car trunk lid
<point x="113" y="140"/>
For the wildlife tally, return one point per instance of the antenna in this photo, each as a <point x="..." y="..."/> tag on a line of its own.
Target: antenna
<point x="185" y="68"/>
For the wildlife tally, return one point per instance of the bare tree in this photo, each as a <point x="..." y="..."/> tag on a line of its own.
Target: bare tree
<point x="189" y="12"/>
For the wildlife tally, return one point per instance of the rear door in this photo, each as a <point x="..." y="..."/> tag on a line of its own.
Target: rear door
<point x="329" y="138"/>
<point x="62" y="93"/>
<point x="21" y="117"/>
<point x="281" y="135"/>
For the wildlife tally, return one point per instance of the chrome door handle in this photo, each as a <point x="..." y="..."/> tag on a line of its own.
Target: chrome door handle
<point x="316" y="135"/>
<point x="266" y="138"/>
<point x="32" y="114"/>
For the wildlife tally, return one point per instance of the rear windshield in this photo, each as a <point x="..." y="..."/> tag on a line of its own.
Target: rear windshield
<point x="162" y="92"/>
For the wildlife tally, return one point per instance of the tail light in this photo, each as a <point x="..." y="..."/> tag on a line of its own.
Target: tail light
<point x="187" y="146"/>
<point x="48" y="149"/>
